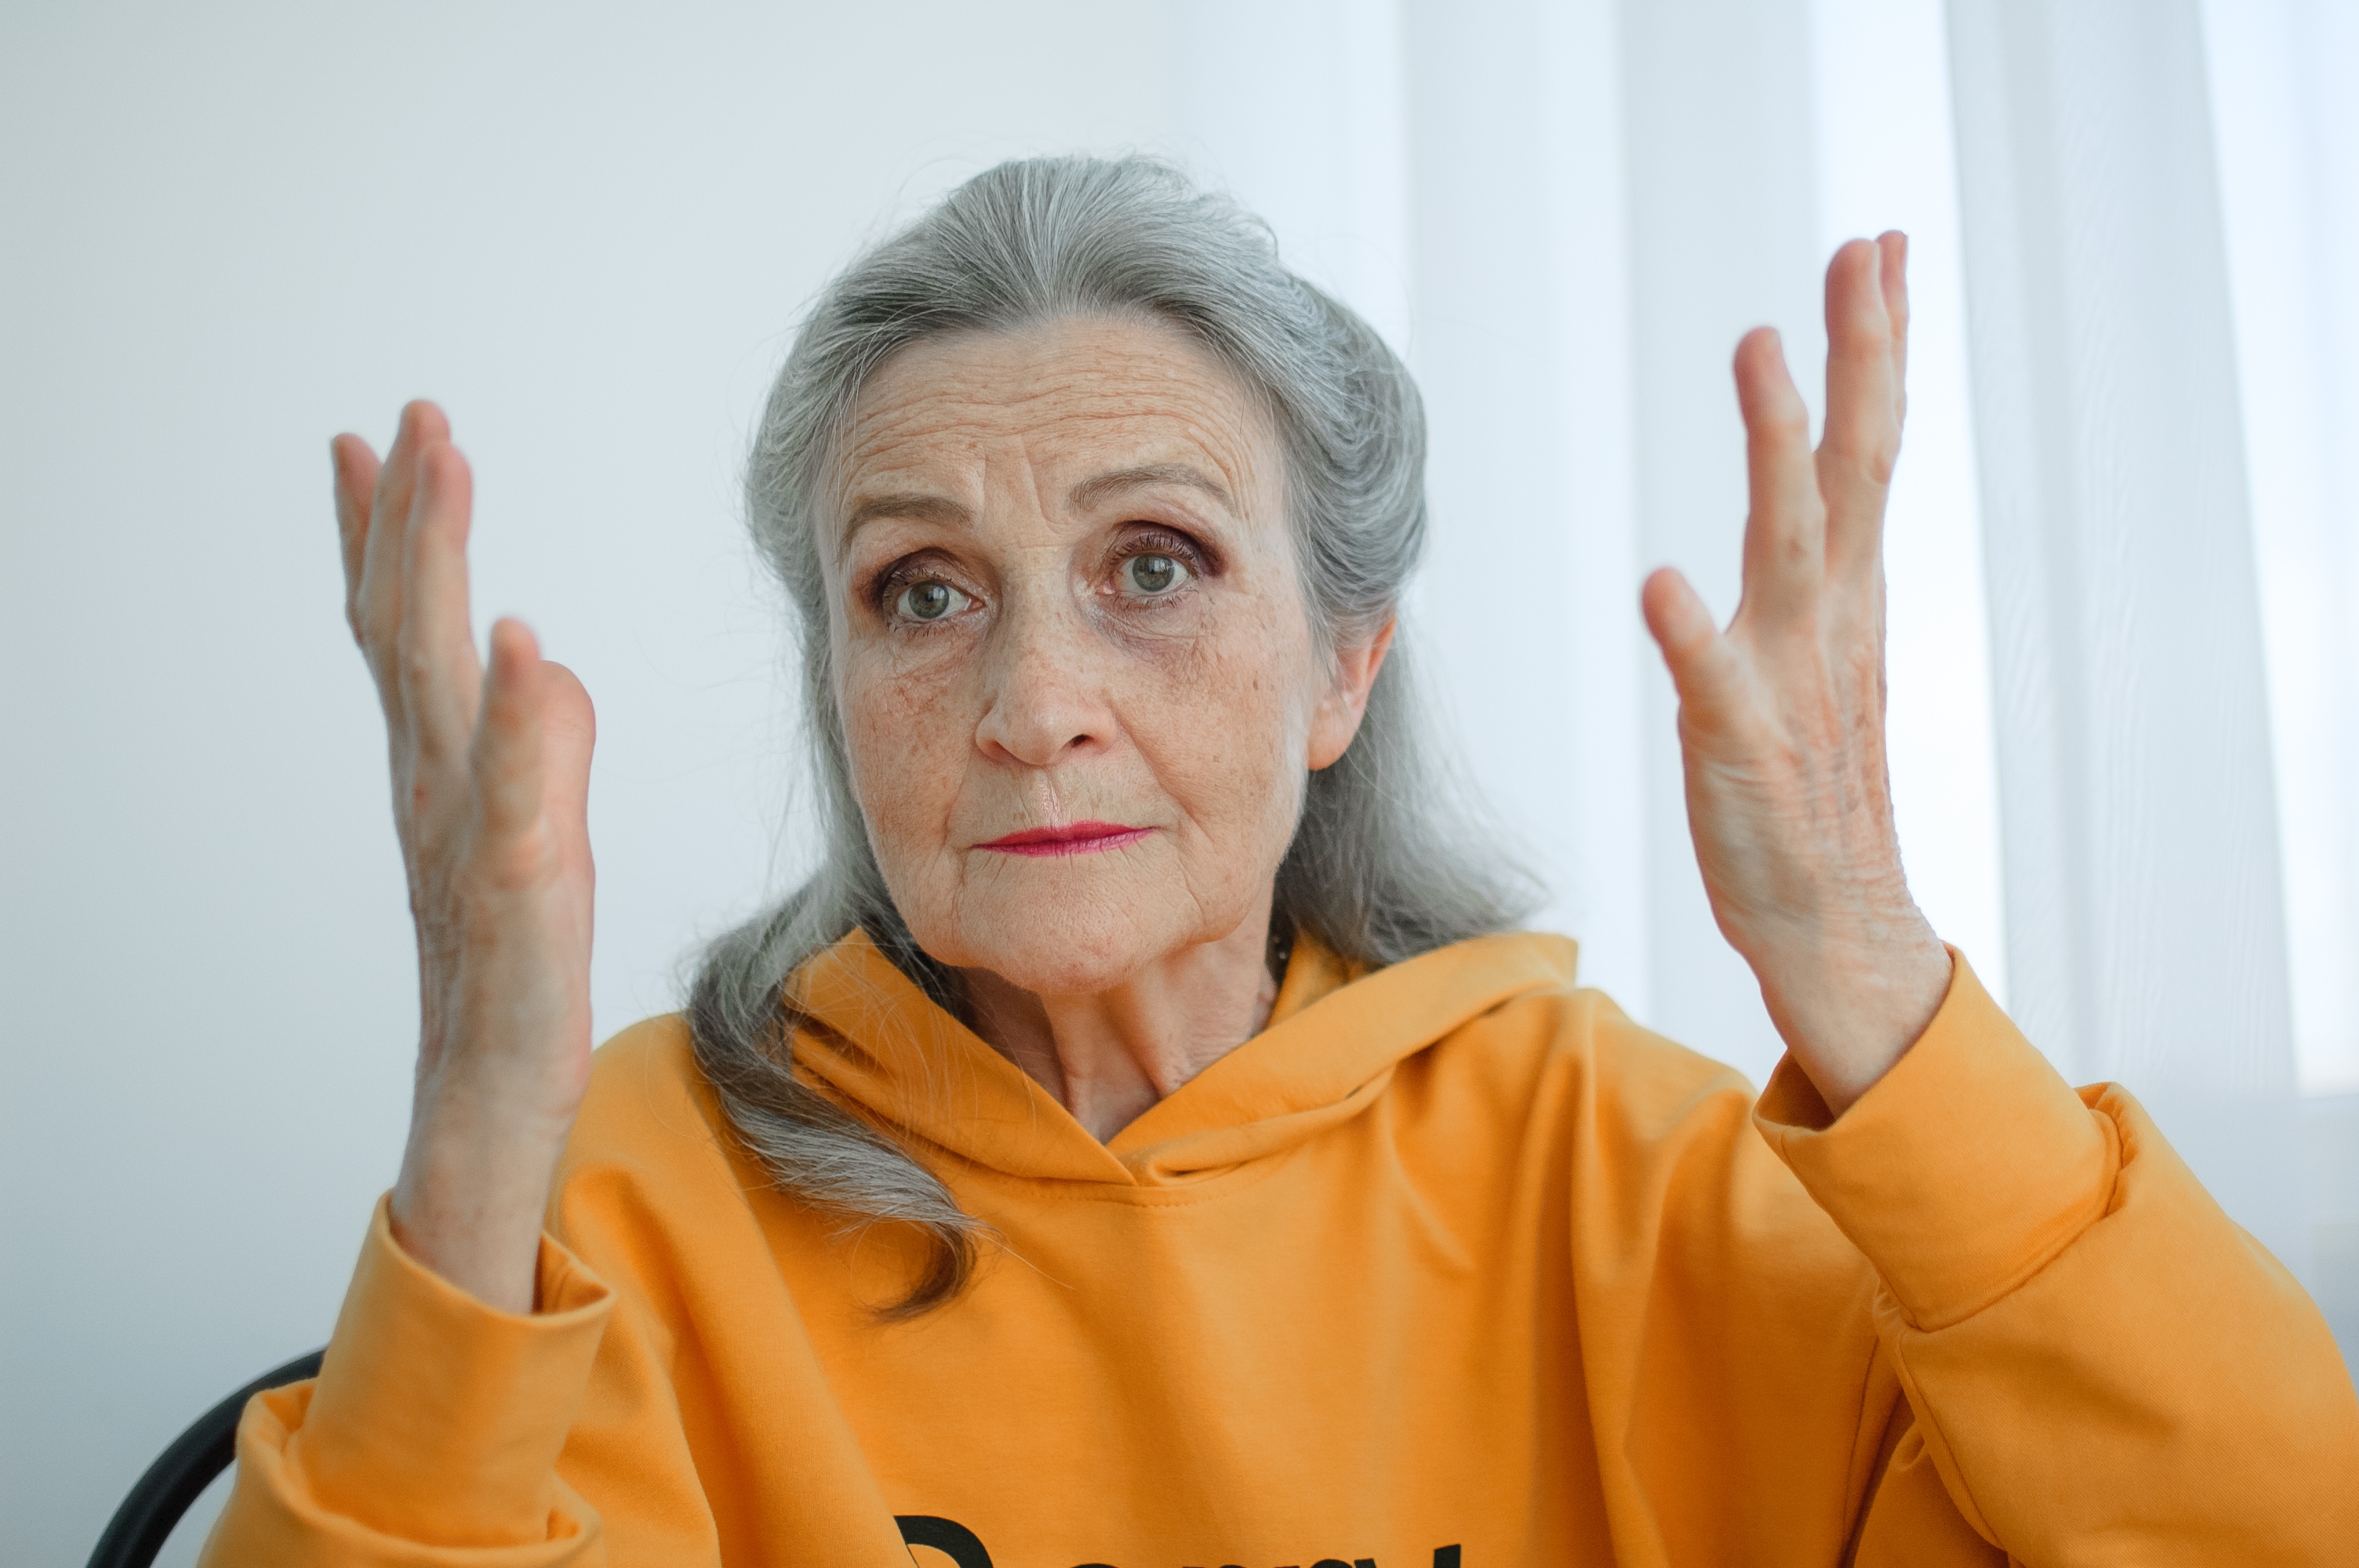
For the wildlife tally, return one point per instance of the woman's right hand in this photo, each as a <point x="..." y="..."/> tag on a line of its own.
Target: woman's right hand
<point x="490" y="788"/>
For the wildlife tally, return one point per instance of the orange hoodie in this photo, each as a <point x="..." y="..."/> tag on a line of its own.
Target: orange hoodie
<point x="1451" y="1267"/>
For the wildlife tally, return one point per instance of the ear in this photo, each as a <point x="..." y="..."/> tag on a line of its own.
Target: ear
<point x="1337" y="717"/>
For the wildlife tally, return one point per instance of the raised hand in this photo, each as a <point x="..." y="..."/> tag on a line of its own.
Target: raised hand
<point x="1781" y="715"/>
<point x="491" y="778"/>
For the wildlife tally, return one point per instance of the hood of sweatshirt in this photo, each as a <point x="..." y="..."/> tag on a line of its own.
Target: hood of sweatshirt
<point x="875" y="1040"/>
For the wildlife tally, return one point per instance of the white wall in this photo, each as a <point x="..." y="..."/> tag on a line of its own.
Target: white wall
<point x="230" y="231"/>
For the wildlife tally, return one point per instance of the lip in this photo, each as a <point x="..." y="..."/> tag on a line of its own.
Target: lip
<point x="1072" y="839"/>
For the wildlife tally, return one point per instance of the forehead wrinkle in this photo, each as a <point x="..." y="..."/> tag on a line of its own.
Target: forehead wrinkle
<point x="975" y="413"/>
<point x="877" y="431"/>
<point x="1142" y="386"/>
<point x="1033" y="468"/>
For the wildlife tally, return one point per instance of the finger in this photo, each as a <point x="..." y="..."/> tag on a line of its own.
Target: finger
<point x="507" y="755"/>
<point x="435" y="643"/>
<point x="384" y="558"/>
<point x="1785" y="531"/>
<point x="356" y="469"/>
<point x="1703" y="667"/>
<point x="1862" y="432"/>
<point x="569" y="732"/>
<point x="1894" y="246"/>
<point x="569" y="728"/>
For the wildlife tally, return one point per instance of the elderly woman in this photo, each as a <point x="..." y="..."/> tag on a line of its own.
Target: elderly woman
<point x="1144" y="1141"/>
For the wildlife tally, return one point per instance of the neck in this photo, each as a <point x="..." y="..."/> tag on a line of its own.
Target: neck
<point x="1108" y="1055"/>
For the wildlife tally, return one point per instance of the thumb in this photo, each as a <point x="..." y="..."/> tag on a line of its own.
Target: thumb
<point x="1703" y="665"/>
<point x="569" y="727"/>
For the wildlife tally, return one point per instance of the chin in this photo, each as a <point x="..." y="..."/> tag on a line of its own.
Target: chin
<point x="1074" y="945"/>
<point x="1049" y="936"/>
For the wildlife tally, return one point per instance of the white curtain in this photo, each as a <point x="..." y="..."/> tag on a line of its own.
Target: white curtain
<point x="2287" y="119"/>
<point x="2287" y="127"/>
<point x="1566" y="214"/>
<point x="2145" y="913"/>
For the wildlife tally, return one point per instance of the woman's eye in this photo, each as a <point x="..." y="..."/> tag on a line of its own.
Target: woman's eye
<point x="930" y="600"/>
<point x="1153" y="575"/>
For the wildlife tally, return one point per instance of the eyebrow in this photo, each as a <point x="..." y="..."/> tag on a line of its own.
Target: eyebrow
<point x="917" y="506"/>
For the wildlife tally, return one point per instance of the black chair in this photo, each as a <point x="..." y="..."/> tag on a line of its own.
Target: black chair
<point x="182" y="1471"/>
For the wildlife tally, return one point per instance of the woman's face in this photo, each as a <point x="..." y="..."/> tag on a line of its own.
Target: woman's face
<point x="1078" y="679"/>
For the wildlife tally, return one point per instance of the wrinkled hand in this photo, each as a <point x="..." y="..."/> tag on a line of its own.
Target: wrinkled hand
<point x="490" y="775"/>
<point x="1781" y="715"/>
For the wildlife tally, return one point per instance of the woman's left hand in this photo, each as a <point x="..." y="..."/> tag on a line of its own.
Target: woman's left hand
<point x="1781" y="715"/>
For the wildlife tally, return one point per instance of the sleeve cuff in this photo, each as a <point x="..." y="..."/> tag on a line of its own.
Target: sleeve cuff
<point x="439" y="1419"/>
<point x="1963" y="1170"/>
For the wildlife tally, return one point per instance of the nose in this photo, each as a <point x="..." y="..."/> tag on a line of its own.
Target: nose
<point x="1047" y="701"/>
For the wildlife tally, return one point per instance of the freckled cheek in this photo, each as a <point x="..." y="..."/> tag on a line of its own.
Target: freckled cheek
<point x="1226" y="736"/>
<point x="907" y="747"/>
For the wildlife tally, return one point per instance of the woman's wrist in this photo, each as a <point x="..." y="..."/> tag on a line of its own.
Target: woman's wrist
<point x="1849" y="1008"/>
<point x="473" y="1193"/>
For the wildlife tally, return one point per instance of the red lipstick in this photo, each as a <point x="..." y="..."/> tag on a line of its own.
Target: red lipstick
<point x="1073" y="838"/>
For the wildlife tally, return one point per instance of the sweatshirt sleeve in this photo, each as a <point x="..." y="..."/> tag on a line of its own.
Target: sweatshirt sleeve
<point x="431" y="1434"/>
<point x="2099" y="1364"/>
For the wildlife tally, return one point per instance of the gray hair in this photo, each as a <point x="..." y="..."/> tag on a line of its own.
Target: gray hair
<point x="1382" y="864"/>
